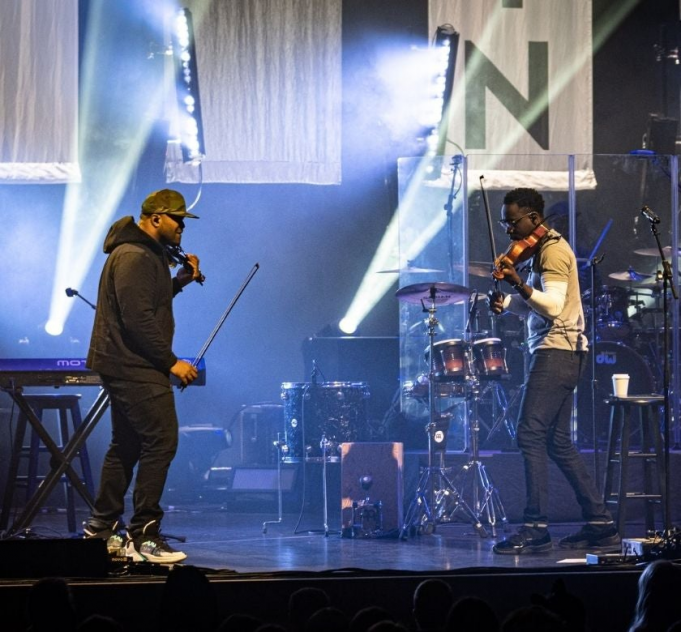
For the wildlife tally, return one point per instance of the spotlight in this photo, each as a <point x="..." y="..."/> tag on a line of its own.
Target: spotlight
<point x="54" y="328"/>
<point x="348" y="326"/>
<point x="187" y="88"/>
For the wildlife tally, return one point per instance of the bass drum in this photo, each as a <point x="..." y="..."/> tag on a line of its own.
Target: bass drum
<point x="610" y="358"/>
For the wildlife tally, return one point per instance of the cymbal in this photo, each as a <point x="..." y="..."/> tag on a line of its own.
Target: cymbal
<point x="409" y="270"/>
<point x="476" y="268"/>
<point x="440" y="293"/>
<point x="654" y="252"/>
<point x="630" y="275"/>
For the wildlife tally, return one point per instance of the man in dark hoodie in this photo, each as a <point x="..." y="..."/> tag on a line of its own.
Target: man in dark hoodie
<point x="131" y="348"/>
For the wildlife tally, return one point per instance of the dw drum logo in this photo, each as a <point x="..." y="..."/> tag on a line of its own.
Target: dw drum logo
<point x="606" y="357"/>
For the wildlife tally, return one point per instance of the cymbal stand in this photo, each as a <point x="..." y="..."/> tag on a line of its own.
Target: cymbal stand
<point x="434" y="487"/>
<point x="484" y="497"/>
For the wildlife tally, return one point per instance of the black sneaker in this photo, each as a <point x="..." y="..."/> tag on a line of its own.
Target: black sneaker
<point x="110" y="533"/>
<point x="591" y="537"/>
<point x="525" y="541"/>
<point x="151" y="546"/>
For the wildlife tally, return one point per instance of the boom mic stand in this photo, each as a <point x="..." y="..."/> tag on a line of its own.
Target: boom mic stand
<point x="70" y="292"/>
<point x="671" y="536"/>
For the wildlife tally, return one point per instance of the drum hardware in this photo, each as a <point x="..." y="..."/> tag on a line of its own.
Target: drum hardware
<point x="367" y="515"/>
<point x="434" y="484"/>
<point x="484" y="497"/>
<point x="279" y="444"/>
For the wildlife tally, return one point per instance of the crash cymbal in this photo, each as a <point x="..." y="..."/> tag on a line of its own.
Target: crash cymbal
<point x="630" y="275"/>
<point x="440" y="293"/>
<point x="409" y="270"/>
<point x="480" y="268"/>
<point x="654" y="252"/>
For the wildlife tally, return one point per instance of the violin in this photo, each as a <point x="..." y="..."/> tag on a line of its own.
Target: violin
<point x="519" y="251"/>
<point x="179" y="256"/>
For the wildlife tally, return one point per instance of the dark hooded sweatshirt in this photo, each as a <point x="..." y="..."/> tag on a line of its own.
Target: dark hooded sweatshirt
<point x="133" y="332"/>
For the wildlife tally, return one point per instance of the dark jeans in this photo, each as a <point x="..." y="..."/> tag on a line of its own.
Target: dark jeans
<point x="544" y="431"/>
<point x="144" y="431"/>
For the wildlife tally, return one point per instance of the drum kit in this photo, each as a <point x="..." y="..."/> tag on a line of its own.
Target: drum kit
<point x="457" y="368"/>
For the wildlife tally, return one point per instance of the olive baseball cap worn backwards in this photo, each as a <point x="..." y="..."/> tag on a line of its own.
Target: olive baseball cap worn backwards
<point x="166" y="202"/>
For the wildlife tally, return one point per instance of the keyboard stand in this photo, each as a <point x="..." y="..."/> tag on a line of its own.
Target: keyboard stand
<point x="60" y="463"/>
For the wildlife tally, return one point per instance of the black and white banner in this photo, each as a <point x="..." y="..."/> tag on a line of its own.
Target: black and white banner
<point x="522" y="94"/>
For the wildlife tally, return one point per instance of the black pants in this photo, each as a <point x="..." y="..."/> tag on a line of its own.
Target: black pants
<point x="144" y="431"/>
<point x="544" y="432"/>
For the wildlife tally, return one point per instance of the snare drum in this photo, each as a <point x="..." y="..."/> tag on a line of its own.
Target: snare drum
<point x="335" y="411"/>
<point x="489" y="357"/>
<point x="450" y="361"/>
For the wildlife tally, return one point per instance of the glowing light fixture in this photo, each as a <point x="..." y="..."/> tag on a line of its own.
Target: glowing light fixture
<point x="190" y="127"/>
<point x="434" y="114"/>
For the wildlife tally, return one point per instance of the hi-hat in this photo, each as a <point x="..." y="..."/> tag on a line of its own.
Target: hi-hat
<point x="654" y="252"/>
<point x="440" y="293"/>
<point x="630" y="275"/>
<point x="409" y="270"/>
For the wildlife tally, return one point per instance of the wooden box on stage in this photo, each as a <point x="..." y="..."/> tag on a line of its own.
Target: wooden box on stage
<point x="383" y="462"/>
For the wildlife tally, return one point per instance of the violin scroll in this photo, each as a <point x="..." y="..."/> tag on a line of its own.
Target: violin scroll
<point x="179" y="256"/>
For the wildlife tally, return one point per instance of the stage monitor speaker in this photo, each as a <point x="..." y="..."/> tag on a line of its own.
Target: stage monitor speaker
<point x="373" y="471"/>
<point x="53" y="558"/>
<point x="261" y="479"/>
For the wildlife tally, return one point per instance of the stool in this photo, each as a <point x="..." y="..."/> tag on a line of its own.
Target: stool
<point x="63" y="404"/>
<point x="620" y="433"/>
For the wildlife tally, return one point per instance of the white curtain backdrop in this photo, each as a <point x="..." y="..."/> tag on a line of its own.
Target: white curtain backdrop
<point x="39" y="91"/>
<point x="498" y="36"/>
<point x="270" y="87"/>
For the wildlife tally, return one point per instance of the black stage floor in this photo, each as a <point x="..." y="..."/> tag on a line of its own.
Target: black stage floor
<point x="255" y="572"/>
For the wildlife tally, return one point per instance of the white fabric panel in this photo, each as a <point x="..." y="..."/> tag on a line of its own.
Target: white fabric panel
<point x="270" y="87"/>
<point x="503" y="33"/>
<point x="39" y="91"/>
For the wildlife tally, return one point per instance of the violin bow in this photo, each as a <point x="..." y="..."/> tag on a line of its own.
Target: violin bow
<point x="488" y="215"/>
<point x="222" y="319"/>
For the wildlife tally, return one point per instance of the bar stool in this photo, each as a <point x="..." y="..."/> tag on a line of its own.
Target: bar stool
<point x="63" y="404"/>
<point x="620" y="433"/>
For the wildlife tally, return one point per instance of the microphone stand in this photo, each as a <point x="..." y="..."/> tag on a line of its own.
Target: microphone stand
<point x="667" y="283"/>
<point x="449" y="207"/>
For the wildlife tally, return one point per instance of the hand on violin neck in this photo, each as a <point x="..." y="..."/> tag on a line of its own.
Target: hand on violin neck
<point x="510" y="275"/>
<point x="495" y="301"/>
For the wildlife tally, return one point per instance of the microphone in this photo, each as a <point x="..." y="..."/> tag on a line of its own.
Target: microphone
<point x="649" y="215"/>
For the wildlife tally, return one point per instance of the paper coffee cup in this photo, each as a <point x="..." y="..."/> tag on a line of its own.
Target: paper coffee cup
<point x="620" y="384"/>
